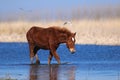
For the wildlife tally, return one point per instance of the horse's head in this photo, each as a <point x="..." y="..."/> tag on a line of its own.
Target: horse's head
<point x="71" y="42"/>
<point x="66" y="36"/>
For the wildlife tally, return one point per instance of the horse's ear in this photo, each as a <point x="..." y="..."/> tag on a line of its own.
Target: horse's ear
<point x="74" y="33"/>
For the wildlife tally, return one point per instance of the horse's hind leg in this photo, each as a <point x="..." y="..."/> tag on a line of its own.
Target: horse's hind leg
<point x="35" y="52"/>
<point x="31" y="53"/>
<point x="50" y="57"/>
<point x="37" y="59"/>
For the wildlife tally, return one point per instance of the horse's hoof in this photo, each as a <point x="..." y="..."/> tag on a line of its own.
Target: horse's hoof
<point x="37" y="62"/>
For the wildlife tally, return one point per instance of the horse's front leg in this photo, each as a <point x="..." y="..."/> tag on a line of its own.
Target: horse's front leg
<point x="50" y="57"/>
<point x="53" y="48"/>
<point x="56" y="56"/>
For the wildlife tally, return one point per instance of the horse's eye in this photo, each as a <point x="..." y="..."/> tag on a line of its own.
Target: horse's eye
<point x="73" y="39"/>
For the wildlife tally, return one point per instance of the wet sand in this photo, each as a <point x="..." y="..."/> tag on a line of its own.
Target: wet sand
<point x="83" y="71"/>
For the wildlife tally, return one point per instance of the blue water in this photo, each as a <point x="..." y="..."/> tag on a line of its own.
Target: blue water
<point x="90" y="62"/>
<point x="18" y="53"/>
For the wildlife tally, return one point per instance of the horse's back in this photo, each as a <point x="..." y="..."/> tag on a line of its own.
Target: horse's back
<point x="40" y="36"/>
<point x="35" y="29"/>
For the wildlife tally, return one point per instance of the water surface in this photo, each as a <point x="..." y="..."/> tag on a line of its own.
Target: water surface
<point x="90" y="62"/>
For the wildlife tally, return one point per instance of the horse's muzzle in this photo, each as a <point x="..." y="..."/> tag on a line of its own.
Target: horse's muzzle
<point x="72" y="50"/>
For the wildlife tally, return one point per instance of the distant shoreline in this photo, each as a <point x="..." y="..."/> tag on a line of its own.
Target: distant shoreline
<point x="22" y="38"/>
<point x="99" y="32"/>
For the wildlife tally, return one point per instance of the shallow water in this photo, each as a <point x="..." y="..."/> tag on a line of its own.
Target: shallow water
<point x="90" y="62"/>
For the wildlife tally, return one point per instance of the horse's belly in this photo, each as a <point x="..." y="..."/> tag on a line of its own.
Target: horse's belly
<point x="43" y="46"/>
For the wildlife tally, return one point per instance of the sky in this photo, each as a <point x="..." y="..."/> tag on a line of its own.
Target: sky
<point x="15" y="5"/>
<point x="8" y="7"/>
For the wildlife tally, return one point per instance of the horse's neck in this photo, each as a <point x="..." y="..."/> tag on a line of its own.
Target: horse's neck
<point x="62" y="37"/>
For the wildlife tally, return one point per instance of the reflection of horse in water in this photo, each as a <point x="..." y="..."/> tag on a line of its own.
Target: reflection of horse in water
<point x="49" y="39"/>
<point x="44" y="72"/>
<point x="52" y="72"/>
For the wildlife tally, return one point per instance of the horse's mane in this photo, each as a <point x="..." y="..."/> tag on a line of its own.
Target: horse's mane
<point x="62" y="29"/>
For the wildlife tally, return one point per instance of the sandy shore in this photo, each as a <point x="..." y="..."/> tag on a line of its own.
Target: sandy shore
<point x="103" y="32"/>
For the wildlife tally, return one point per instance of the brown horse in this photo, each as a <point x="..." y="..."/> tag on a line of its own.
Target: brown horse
<point x="49" y="39"/>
